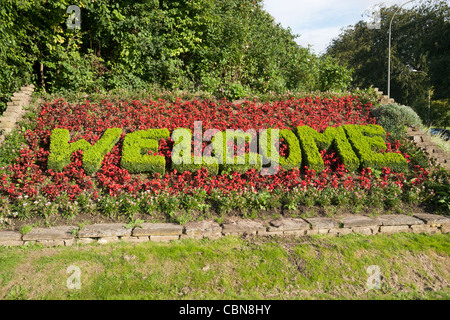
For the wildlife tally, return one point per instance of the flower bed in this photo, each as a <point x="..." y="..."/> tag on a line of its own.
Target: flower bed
<point x="30" y="188"/>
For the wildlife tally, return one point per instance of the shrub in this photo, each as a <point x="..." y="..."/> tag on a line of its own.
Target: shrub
<point x="240" y="163"/>
<point x="367" y="141"/>
<point x="135" y="148"/>
<point x="183" y="160"/>
<point x="393" y="118"/>
<point x="267" y="145"/>
<point x="61" y="149"/>
<point x="312" y="141"/>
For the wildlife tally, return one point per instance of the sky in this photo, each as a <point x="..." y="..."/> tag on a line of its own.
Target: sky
<point x="319" y="21"/>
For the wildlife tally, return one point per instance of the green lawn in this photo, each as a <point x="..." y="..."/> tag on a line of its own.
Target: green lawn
<point x="412" y="266"/>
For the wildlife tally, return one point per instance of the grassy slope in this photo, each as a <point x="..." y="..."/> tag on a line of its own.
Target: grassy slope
<point x="413" y="266"/>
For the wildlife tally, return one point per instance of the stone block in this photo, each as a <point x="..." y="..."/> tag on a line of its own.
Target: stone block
<point x="394" y="229"/>
<point x="342" y="231"/>
<point x="51" y="243"/>
<point x="105" y="240"/>
<point x="322" y="223"/>
<point x="357" y="221"/>
<point x="288" y="225"/>
<point x="311" y="232"/>
<point x="11" y="243"/>
<point x="323" y="231"/>
<point x="26" y="89"/>
<point x="15" y="109"/>
<point x="445" y="228"/>
<point x="134" y="239"/>
<point x="53" y="233"/>
<point x="17" y="98"/>
<point x="10" y="236"/>
<point x="367" y="230"/>
<point x="22" y="95"/>
<point x="12" y="114"/>
<point x="242" y="227"/>
<point x="424" y="228"/>
<point x="8" y="122"/>
<point x="158" y="229"/>
<point x="85" y="240"/>
<point x="164" y="238"/>
<point x="101" y="230"/>
<point x="397" y="220"/>
<point x="294" y="232"/>
<point x="432" y="219"/>
<point x="202" y="229"/>
<point x="69" y="242"/>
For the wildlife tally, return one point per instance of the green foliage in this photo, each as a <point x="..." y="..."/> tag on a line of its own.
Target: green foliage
<point x="420" y="53"/>
<point x="312" y="141"/>
<point x="233" y="161"/>
<point x="367" y="141"/>
<point x="183" y="160"/>
<point x="394" y="118"/>
<point x="333" y="76"/>
<point x="440" y="113"/>
<point x="268" y="148"/>
<point x="229" y="48"/>
<point x="93" y="157"/>
<point x="61" y="149"/>
<point x="136" y="145"/>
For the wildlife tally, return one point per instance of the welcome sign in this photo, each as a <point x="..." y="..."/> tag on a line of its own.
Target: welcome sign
<point x="357" y="146"/>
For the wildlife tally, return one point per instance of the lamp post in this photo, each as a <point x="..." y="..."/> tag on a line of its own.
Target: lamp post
<point x="429" y="96"/>
<point x="389" y="58"/>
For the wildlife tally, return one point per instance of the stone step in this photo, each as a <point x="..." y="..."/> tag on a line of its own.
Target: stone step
<point x="10" y="114"/>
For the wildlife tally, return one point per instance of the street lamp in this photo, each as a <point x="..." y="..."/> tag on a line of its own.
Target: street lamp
<point x="429" y="95"/>
<point x="389" y="59"/>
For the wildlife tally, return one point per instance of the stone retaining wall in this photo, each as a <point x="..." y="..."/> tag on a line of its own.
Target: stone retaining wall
<point x="14" y="110"/>
<point x="157" y="232"/>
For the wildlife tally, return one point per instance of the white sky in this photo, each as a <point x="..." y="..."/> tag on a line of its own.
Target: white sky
<point x="319" y="21"/>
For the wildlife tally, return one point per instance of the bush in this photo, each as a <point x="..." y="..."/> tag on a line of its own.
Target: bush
<point x="135" y="147"/>
<point x="238" y="163"/>
<point x="367" y="141"/>
<point x="312" y="141"/>
<point x="394" y="118"/>
<point x="183" y="160"/>
<point x="61" y="149"/>
<point x="293" y="160"/>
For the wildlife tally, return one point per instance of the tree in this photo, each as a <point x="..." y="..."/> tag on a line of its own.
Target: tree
<point x="225" y="47"/>
<point x="420" y="52"/>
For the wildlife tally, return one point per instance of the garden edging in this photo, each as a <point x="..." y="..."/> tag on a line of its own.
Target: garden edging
<point x="163" y="232"/>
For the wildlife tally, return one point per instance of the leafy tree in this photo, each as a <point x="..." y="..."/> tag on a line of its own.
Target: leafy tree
<point x="227" y="47"/>
<point x="420" y="52"/>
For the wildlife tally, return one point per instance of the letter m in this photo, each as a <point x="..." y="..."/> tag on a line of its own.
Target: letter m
<point x="311" y="142"/>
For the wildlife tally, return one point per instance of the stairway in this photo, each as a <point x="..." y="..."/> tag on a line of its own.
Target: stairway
<point x="384" y="99"/>
<point x="423" y="141"/>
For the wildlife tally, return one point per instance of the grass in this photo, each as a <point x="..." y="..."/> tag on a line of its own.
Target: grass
<point x="413" y="266"/>
<point x="439" y="141"/>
